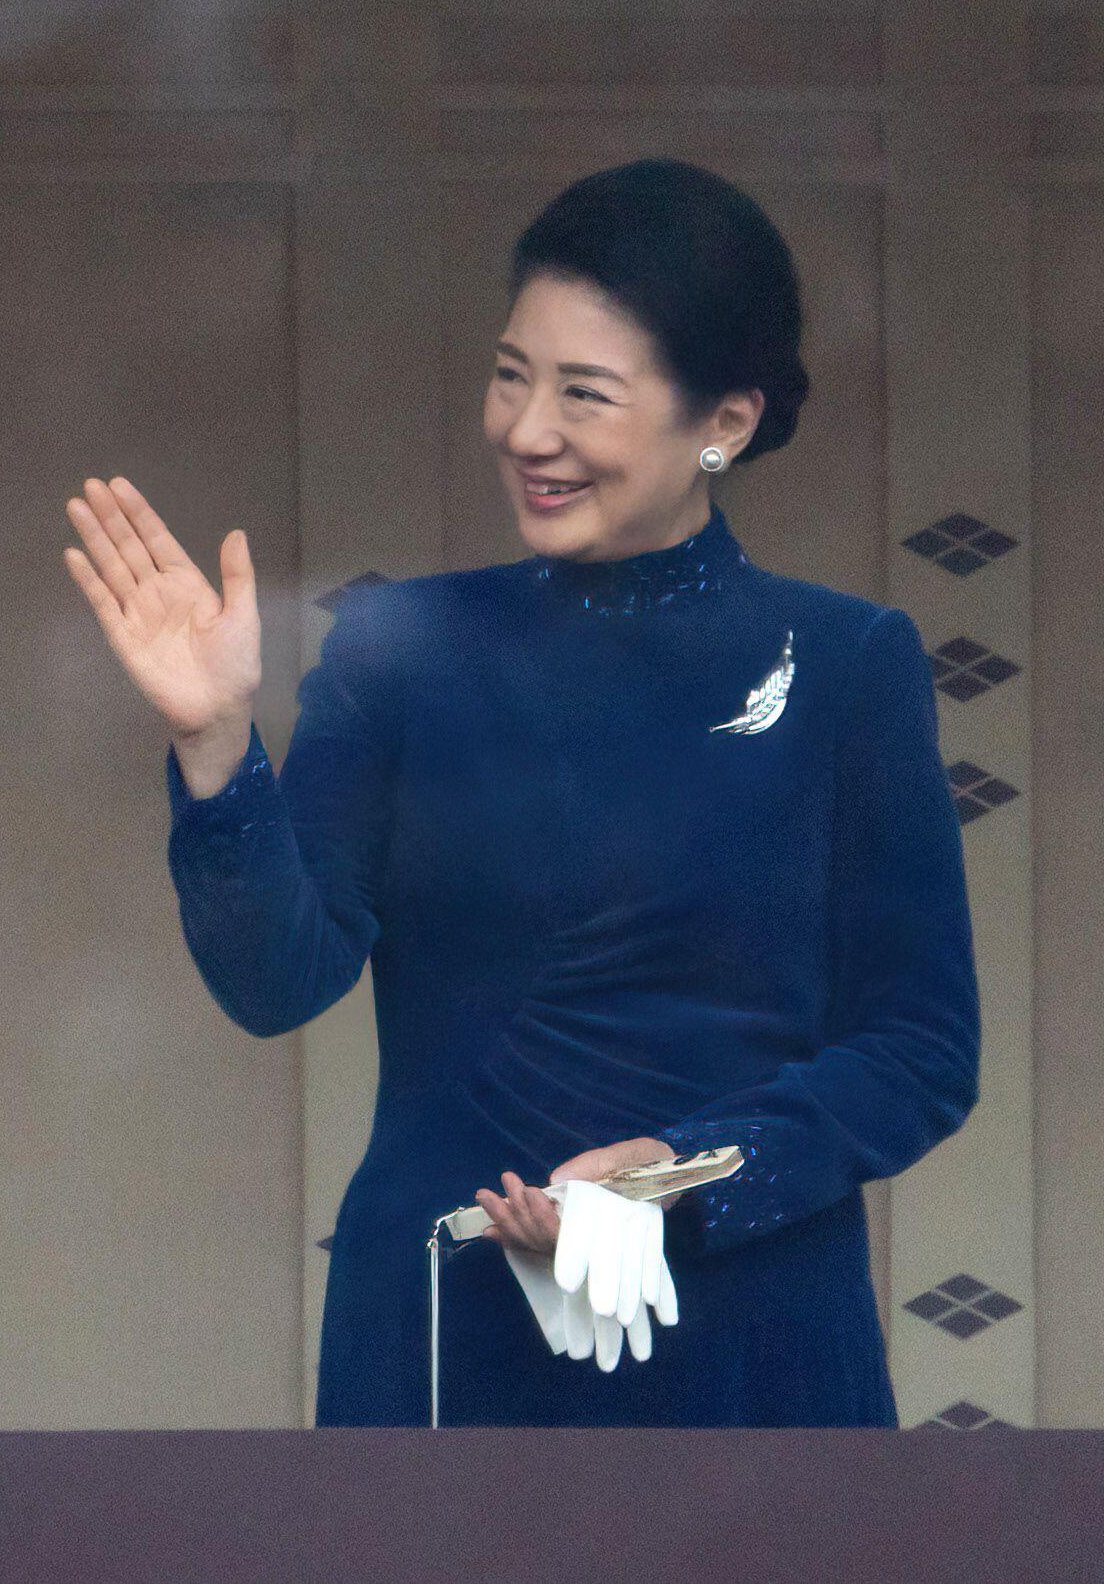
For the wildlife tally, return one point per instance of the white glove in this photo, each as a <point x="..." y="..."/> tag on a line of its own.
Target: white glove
<point x="534" y="1277"/>
<point x="615" y="1246"/>
<point x="568" y="1322"/>
<point x="619" y="1245"/>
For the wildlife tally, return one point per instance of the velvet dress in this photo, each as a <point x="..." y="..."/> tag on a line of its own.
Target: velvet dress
<point x="591" y="917"/>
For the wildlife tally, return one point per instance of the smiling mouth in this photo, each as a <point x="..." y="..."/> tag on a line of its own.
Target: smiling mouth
<point x="548" y="498"/>
<point x="560" y="487"/>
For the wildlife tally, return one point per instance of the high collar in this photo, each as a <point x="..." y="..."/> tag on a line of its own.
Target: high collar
<point x="682" y="572"/>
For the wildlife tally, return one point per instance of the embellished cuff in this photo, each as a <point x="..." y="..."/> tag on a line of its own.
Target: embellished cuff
<point x="719" y="1216"/>
<point x="238" y="803"/>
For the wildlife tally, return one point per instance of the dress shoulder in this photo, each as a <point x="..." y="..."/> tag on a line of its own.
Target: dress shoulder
<point x="841" y="620"/>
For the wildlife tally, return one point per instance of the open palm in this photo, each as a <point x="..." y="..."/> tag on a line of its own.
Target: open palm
<point x="195" y="655"/>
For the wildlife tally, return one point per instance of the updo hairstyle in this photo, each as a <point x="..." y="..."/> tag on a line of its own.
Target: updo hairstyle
<point x="697" y="263"/>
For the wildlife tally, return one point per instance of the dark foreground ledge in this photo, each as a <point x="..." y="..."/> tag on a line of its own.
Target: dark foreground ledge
<point x="731" y="1506"/>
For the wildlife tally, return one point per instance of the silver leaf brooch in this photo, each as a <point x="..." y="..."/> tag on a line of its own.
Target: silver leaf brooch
<point x="765" y="703"/>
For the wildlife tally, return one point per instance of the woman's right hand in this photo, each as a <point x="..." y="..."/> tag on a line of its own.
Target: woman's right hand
<point x="195" y="656"/>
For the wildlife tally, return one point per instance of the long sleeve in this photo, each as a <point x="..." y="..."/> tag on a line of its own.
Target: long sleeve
<point x="899" y="1071"/>
<point x="276" y="876"/>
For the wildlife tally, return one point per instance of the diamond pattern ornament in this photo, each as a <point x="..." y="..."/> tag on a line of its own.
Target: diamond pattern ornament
<point x="965" y="1416"/>
<point x="960" y="544"/>
<point x="962" y="1306"/>
<point x="962" y="669"/>
<point x="975" y="791"/>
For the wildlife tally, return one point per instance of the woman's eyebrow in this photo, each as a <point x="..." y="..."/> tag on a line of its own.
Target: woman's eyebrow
<point x="591" y="369"/>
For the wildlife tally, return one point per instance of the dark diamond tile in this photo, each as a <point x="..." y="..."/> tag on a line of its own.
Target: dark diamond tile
<point x="960" y="562"/>
<point x="961" y="650"/>
<point x="928" y="1305"/>
<point x="927" y="543"/>
<point x="963" y="1287"/>
<point x="995" y="792"/>
<point x="959" y="525"/>
<point x="940" y="668"/>
<point x="964" y="774"/>
<point x="963" y="686"/>
<point x="993" y="544"/>
<point x="999" y="1424"/>
<point x="963" y="1323"/>
<point x="969" y="809"/>
<point x="997" y="1305"/>
<point x="964" y="1416"/>
<point x="325" y="1243"/>
<point x="996" y="669"/>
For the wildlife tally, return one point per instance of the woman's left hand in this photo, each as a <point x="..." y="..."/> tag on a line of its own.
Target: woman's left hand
<point x="526" y="1218"/>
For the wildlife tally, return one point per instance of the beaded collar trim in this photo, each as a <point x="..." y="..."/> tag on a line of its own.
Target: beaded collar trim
<point x="681" y="572"/>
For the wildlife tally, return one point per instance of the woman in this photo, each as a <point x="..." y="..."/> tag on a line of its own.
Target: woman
<point x="651" y="849"/>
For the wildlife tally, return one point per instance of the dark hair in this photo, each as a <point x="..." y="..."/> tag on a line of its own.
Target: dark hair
<point x="699" y="265"/>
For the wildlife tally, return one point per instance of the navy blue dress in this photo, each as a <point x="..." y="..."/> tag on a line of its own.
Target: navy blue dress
<point x="592" y="918"/>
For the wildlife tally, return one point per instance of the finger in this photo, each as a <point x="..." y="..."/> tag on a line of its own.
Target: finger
<point x="143" y="538"/>
<point x="578" y="1319"/>
<point x="608" y="1337"/>
<point x="494" y="1206"/>
<point x="515" y="1193"/>
<point x="97" y="593"/>
<point x="606" y="1242"/>
<point x="653" y="1259"/>
<point x="503" y="1213"/>
<point x="239" y="581"/>
<point x="542" y="1220"/>
<point x="570" y="1267"/>
<point x="638" y="1334"/>
<point x="536" y="1218"/>
<point x="667" y="1304"/>
<point x="545" y="1213"/>
<point x="116" y="526"/>
<point x="101" y="550"/>
<point x="518" y="1201"/>
<point x="632" y="1265"/>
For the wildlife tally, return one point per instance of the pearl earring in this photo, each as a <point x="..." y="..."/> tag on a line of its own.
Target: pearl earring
<point x="713" y="459"/>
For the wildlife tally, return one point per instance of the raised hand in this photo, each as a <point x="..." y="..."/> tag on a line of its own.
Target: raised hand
<point x="194" y="654"/>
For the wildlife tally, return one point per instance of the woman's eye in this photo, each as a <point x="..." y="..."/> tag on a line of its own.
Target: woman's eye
<point x="572" y="390"/>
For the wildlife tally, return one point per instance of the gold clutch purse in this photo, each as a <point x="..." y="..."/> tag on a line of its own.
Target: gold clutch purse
<point x="651" y="1181"/>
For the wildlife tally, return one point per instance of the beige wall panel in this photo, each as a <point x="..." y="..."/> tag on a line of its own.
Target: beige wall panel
<point x="203" y="46"/>
<point x="1066" y="43"/>
<point x="649" y="45"/>
<point x="957" y="413"/>
<point x="558" y="138"/>
<point x="1068" y="309"/>
<point x="152" y="1170"/>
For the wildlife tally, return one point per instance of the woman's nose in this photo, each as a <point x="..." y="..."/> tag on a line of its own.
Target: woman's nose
<point x="536" y="428"/>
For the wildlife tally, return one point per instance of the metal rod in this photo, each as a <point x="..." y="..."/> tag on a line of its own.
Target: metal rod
<point x="434" y="1249"/>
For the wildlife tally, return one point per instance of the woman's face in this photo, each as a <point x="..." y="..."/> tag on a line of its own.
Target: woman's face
<point x="616" y="431"/>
